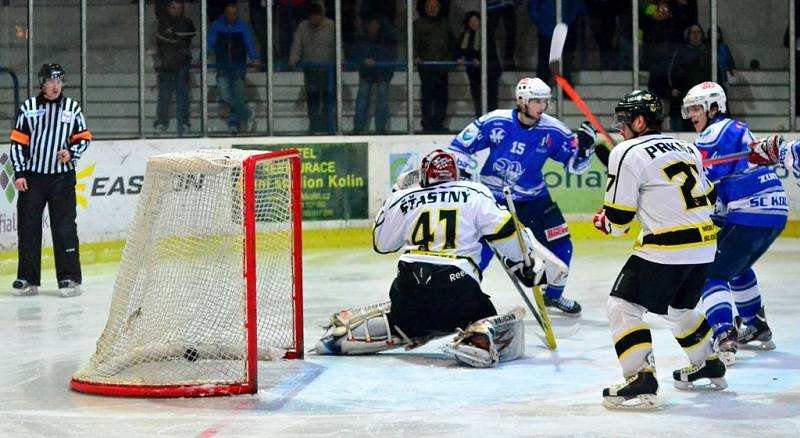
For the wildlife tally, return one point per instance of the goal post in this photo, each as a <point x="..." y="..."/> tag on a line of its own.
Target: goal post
<point x="210" y="279"/>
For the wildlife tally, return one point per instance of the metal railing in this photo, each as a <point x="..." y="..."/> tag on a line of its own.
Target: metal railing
<point x="15" y="83"/>
<point x="335" y="80"/>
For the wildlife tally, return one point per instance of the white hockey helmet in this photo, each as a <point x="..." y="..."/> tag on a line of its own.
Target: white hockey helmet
<point x="704" y="94"/>
<point x="532" y="88"/>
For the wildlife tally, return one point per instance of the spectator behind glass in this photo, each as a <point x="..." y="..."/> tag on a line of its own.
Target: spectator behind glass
<point x="725" y="64"/>
<point x="231" y="41"/>
<point x="173" y="55"/>
<point x="382" y="10"/>
<point x="469" y="50"/>
<point x="288" y="14"/>
<point x="314" y="48"/>
<point x="434" y="44"/>
<point x="258" y="21"/>
<point x="216" y="8"/>
<point x="497" y="10"/>
<point x="690" y="65"/>
<point x="605" y="18"/>
<point x="543" y="14"/>
<point x="374" y="52"/>
<point x="662" y="23"/>
<point x="444" y="8"/>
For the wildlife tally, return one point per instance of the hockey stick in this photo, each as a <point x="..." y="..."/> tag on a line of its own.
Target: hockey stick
<point x="727" y="158"/>
<point x="750" y="150"/>
<point x="526" y="258"/>
<point x="556" y="51"/>
<point x="527" y="300"/>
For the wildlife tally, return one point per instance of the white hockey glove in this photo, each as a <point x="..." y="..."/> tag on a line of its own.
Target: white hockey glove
<point x="587" y="139"/>
<point x="529" y="276"/>
<point x="548" y="267"/>
<point x="768" y="151"/>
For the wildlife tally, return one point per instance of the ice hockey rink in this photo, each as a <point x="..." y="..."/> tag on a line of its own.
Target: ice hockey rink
<point x="44" y="339"/>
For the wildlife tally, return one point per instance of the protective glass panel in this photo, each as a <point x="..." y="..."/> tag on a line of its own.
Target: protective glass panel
<point x="112" y="100"/>
<point x="753" y="64"/>
<point x="13" y="60"/>
<point x="305" y="74"/>
<point x="374" y="90"/>
<point x="237" y="93"/>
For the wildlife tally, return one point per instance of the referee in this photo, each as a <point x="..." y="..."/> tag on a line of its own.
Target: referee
<point x="48" y="138"/>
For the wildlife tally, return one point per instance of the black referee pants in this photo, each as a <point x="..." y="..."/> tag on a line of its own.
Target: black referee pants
<point x="57" y="191"/>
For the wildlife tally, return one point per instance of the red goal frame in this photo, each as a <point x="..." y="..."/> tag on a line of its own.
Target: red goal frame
<point x="250" y="385"/>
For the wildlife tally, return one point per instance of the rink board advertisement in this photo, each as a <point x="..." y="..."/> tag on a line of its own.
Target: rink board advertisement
<point x="333" y="177"/>
<point x="109" y="179"/>
<point x="344" y="184"/>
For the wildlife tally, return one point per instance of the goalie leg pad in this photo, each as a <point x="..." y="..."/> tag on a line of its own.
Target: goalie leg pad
<point x="490" y="341"/>
<point x="363" y="330"/>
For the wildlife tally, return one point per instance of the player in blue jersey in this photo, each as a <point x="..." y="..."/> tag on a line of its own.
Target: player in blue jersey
<point x="520" y="141"/>
<point x="752" y="211"/>
<point x="794" y="149"/>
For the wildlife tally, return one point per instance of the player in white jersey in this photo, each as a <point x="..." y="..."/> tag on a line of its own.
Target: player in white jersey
<point x="438" y="226"/>
<point x="658" y="180"/>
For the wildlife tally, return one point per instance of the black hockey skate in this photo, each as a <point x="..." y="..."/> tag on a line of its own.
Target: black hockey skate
<point x="726" y="345"/>
<point x="567" y="306"/>
<point x="713" y="369"/>
<point x="756" y="334"/>
<point x="24" y="289"/>
<point x="638" y="392"/>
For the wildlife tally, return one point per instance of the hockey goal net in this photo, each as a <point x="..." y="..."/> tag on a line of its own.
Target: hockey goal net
<point x="210" y="278"/>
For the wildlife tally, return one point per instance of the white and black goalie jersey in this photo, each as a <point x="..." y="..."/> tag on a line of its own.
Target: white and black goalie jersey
<point x="443" y="224"/>
<point x="660" y="180"/>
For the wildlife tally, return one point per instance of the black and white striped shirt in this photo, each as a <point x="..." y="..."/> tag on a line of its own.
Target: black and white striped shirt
<point x="43" y="128"/>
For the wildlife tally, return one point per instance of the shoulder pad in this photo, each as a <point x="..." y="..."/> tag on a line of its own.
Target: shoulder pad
<point x="551" y="122"/>
<point x="716" y="132"/>
<point x="498" y="114"/>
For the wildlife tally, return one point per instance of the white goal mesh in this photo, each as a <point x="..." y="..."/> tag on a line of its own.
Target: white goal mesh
<point x="205" y="230"/>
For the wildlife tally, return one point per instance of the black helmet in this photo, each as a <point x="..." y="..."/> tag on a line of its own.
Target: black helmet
<point x="639" y="103"/>
<point x="50" y="71"/>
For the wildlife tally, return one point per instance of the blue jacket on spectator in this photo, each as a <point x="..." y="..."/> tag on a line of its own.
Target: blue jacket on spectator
<point x="233" y="44"/>
<point x="543" y="14"/>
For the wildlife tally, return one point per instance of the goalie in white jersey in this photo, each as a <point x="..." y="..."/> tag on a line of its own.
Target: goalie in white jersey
<point x="660" y="181"/>
<point x="438" y="224"/>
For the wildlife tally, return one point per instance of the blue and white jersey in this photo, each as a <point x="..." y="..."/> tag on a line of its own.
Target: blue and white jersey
<point x="517" y="154"/>
<point x="794" y="150"/>
<point x="753" y="195"/>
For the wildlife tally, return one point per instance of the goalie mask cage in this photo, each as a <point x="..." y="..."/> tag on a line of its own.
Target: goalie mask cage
<point x="210" y="278"/>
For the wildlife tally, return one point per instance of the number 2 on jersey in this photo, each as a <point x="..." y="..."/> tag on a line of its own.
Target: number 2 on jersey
<point x="690" y="171"/>
<point x="424" y="237"/>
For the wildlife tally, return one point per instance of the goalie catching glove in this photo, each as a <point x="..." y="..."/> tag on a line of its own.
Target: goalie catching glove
<point x="768" y="151"/>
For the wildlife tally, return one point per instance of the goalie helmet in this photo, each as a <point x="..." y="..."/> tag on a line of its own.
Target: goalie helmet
<point x="50" y="71"/>
<point x="436" y="168"/>
<point x="705" y="95"/>
<point x="638" y="103"/>
<point x="532" y="88"/>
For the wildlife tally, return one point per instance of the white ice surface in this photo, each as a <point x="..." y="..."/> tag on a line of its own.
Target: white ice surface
<point x="44" y="339"/>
